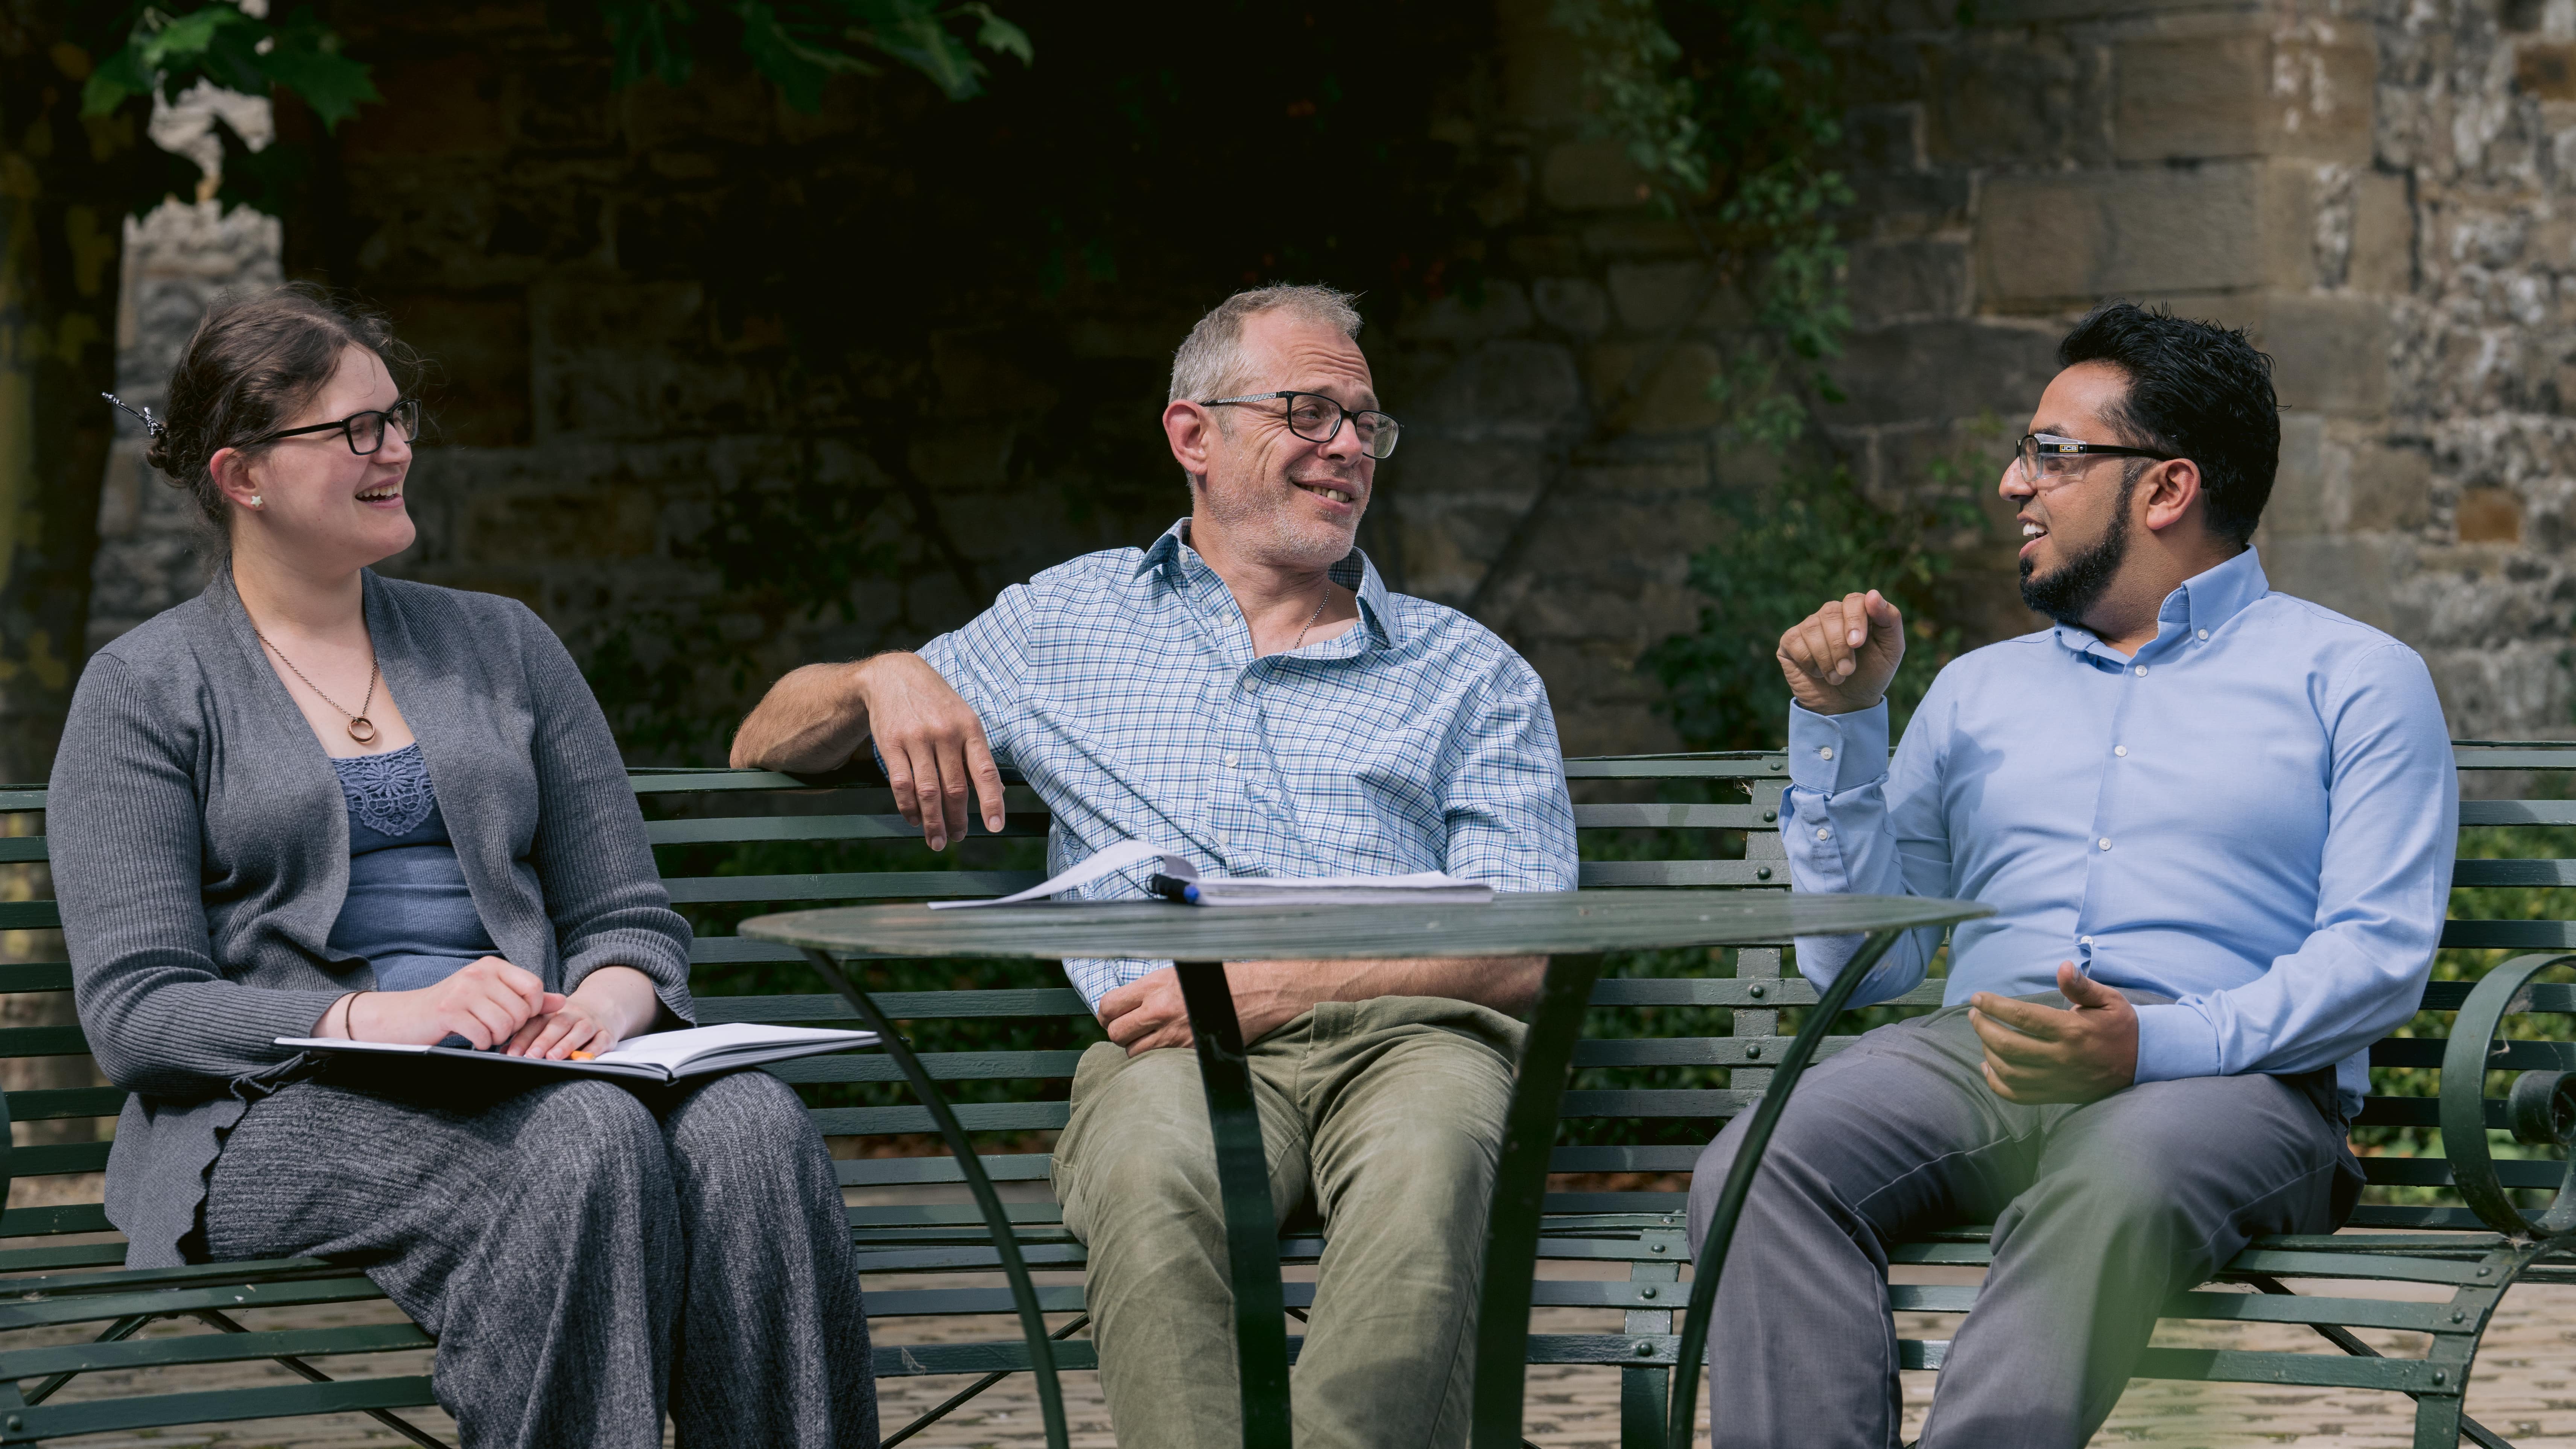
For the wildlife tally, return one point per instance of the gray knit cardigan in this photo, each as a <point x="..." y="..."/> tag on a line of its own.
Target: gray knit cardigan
<point x="200" y="846"/>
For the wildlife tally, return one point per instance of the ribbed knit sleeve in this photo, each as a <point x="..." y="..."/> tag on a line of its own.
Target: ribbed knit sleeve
<point x="590" y="852"/>
<point x="124" y="831"/>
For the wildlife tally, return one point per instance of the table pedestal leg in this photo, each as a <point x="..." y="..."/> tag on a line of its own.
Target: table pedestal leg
<point x="1520" y="1193"/>
<point x="1005" y="1244"/>
<point x="1709" y="1256"/>
<point x="1243" y="1182"/>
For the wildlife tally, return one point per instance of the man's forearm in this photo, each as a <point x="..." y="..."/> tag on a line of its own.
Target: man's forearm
<point x="810" y="721"/>
<point x="1278" y="991"/>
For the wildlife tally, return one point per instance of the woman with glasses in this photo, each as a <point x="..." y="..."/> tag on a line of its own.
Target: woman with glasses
<point x="317" y="802"/>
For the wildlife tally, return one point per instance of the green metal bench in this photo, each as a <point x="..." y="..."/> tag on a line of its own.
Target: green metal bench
<point x="67" y="1311"/>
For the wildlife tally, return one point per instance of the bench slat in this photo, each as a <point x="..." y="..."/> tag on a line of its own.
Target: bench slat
<point x="901" y="1005"/>
<point x="733" y="829"/>
<point x="214" y="1347"/>
<point x="943" y="1066"/>
<point x="55" y="1419"/>
<point x="867" y="885"/>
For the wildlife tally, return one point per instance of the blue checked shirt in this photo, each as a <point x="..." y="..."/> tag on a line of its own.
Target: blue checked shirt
<point x="1123" y="687"/>
<point x="2254" y="816"/>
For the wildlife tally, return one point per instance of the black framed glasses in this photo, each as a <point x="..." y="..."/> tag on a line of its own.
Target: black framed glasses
<point x="2049" y="462"/>
<point x="365" y="431"/>
<point x="1318" y="419"/>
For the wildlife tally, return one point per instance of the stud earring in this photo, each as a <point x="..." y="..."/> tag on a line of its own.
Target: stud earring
<point x="254" y="500"/>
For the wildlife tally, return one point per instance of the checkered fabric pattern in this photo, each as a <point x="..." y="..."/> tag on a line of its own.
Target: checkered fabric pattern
<point x="1123" y="686"/>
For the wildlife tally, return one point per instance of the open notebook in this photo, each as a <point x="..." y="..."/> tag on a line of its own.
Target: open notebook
<point x="662" y="1056"/>
<point x="1177" y="879"/>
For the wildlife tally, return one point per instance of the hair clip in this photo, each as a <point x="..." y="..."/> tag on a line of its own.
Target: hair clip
<point x="152" y="425"/>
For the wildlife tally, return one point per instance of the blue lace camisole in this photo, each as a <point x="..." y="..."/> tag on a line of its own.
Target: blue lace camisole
<point x="408" y="911"/>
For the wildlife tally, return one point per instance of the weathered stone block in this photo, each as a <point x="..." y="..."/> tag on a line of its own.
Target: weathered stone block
<point x="433" y="106"/>
<point x="1939" y="371"/>
<point x="2329" y="353"/>
<point x="1997" y="99"/>
<point x="1674" y="397"/>
<point x="1524" y="390"/>
<point x="1502" y="311"/>
<point x="2063" y="239"/>
<point x="1571" y="304"/>
<point x="2383" y="235"/>
<point x="1900" y="281"/>
<point x="1656" y="297"/>
<point x="2242" y="94"/>
<point x="1542" y="66"/>
<point x="2298" y="503"/>
<point x="2545" y="69"/>
<point x="2347" y="575"/>
<point x="2489" y="515"/>
<point x="608" y="523"/>
<point x="2390" y="489"/>
<point x="1884" y="137"/>
<point x="1592" y="176"/>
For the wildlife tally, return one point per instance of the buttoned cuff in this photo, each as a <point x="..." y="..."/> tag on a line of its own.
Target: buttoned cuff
<point x="1831" y="753"/>
<point x="2175" y="1042"/>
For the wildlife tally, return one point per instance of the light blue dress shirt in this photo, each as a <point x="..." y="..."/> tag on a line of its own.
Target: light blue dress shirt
<point x="1123" y="687"/>
<point x="2254" y="816"/>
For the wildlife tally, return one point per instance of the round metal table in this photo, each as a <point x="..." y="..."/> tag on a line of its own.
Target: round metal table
<point x="1572" y="927"/>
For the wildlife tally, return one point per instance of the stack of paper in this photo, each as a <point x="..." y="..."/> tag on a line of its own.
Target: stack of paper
<point x="1428" y="887"/>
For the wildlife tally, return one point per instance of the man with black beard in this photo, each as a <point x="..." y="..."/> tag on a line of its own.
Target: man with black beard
<point x="2216" y="825"/>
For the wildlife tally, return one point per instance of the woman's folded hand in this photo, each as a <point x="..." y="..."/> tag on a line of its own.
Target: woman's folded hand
<point x="484" y="1001"/>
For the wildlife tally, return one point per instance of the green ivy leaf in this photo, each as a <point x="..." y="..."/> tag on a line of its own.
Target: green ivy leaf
<point x="799" y="70"/>
<point x="998" y="35"/>
<point x="117" y="77"/>
<point x="306" y="61"/>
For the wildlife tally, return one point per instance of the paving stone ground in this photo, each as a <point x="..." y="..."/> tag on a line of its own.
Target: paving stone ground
<point x="2524" y="1386"/>
<point x="2522" y="1389"/>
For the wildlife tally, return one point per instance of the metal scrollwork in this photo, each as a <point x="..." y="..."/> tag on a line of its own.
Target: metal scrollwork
<point x="2540" y="1109"/>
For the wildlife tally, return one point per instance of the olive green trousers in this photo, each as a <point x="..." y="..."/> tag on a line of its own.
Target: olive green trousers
<point x="1384" y="1118"/>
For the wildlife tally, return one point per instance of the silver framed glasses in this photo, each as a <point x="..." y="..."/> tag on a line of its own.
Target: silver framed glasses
<point x="1318" y="419"/>
<point x="2048" y="462"/>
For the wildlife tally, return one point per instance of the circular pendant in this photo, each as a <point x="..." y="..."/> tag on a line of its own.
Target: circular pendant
<point x="363" y="730"/>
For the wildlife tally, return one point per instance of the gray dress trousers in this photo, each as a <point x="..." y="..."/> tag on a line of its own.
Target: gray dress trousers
<point x="2101" y="1212"/>
<point x="589" y="1256"/>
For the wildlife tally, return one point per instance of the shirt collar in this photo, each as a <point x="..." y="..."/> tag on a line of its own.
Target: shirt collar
<point x="2197" y="609"/>
<point x="1173" y="555"/>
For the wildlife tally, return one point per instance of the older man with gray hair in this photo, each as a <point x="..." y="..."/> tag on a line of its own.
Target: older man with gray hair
<point x="1247" y="693"/>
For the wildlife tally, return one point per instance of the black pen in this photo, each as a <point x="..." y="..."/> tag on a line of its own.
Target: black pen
<point x="1172" y="888"/>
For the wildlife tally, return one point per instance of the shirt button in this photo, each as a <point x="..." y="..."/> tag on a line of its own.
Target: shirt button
<point x="2106" y="842"/>
<point x="2142" y="669"/>
<point x="1229" y="761"/>
<point x="1250" y="683"/>
<point x="1826" y="753"/>
<point x="2085" y="941"/>
<point x="2204" y="633"/>
<point x="2121" y="750"/>
<point x="1824" y="832"/>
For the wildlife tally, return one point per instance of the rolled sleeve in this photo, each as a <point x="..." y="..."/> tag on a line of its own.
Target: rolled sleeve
<point x="1509" y="819"/>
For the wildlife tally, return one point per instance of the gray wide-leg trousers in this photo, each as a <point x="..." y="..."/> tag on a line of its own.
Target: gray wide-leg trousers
<point x="2102" y="1213"/>
<point x="589" y="1257"/>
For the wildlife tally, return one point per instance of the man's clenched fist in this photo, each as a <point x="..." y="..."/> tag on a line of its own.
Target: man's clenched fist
<point x="1840" y="658"/>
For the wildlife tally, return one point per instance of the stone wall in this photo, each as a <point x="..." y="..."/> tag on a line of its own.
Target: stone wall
<point x="2374" y="189"/>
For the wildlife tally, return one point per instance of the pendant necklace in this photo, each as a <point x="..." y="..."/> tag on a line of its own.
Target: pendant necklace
<point x="361" y="729"/>
<point x="1293" y="648"/>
